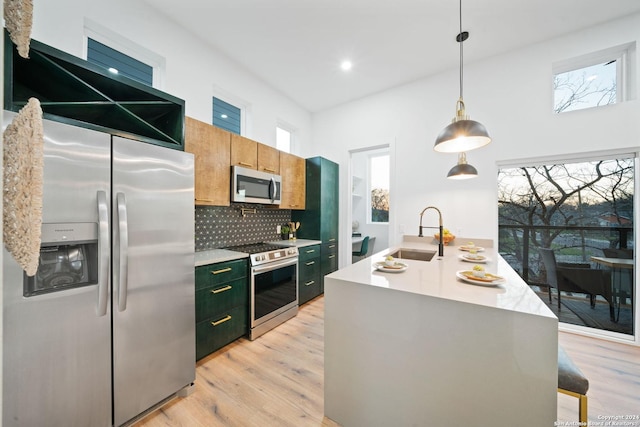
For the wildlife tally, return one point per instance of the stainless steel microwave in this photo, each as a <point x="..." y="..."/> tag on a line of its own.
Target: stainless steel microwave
<point x="253" y="186"/>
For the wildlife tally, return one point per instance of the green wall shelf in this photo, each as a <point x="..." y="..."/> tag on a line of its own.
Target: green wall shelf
<point x="74" y="91"/>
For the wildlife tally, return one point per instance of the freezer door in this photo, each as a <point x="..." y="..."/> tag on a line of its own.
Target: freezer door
<point x="153" y="277"/>
<point x="57" y="341"/>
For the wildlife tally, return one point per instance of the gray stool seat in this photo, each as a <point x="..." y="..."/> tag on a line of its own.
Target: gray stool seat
<point x="572" y="382"/>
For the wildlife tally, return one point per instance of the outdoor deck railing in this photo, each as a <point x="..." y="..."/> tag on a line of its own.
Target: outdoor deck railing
<point x="518" y="244"/>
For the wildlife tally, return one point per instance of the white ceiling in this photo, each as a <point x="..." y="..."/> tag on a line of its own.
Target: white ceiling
<point x="296" y="46"/>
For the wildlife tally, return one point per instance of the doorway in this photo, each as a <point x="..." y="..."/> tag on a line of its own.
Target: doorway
<point x="370" y="188"/>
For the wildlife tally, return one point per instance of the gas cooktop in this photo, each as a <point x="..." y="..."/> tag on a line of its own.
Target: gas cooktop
<point x="254" y="248"/>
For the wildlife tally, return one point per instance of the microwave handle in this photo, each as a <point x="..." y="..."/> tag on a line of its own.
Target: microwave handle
<point x="274" y="189"/>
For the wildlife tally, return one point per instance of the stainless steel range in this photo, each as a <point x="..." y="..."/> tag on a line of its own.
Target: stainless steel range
<point x="274" y="285"/>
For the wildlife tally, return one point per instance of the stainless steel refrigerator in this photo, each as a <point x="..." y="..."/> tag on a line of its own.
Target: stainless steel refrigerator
<point x="105" y="330"/>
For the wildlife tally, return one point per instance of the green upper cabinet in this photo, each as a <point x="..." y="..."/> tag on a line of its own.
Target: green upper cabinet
<point x="75" y="91"/>
<point x="319" y="220"/>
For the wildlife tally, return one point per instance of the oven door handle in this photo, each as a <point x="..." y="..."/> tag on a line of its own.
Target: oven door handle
<point x="274" y="265"/>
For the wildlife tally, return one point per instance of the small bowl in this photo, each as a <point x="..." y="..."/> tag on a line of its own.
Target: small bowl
<point x="480" y="274"/>
<point x="446" y="239"/>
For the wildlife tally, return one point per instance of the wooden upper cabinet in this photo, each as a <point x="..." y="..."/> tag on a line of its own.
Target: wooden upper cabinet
<point x="268" y="159"/>
<point x="244" y="152"/>
<point x="211" y="147"/>
<point x="293" y="171"/>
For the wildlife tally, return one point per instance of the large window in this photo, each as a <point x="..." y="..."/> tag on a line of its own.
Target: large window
<point x="227" y="116"/>
<point x="584" y="212"/>
<point x="591" y="81"/>
<point x="379" y="188"/>
<point x="118" y="63"/>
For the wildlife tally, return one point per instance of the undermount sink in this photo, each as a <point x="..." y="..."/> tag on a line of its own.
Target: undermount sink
<point x="415" y="254"/>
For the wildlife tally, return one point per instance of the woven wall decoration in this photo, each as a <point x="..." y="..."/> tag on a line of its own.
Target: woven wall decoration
<point x="23" y="163"/>
<point x="18" y="16"/>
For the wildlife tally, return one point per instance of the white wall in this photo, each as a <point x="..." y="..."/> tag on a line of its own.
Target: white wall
<point x="194" y="70"/>
<point x="511" y="95"/>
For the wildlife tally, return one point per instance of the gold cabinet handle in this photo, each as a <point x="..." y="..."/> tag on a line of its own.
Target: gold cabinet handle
<point x="310" y="251"/>
<point x="245" y="164"/>
<point x="204" y="200"/>
<point x="331" y="256"/>
<point x="269" y="170"/>
<point x="332" y="246"/>
<point x="224" y="270"/>
<point x="224" y="319"/>
<point x="217" y="291"/>
<point x="310" y="283"/>
<point x="332" y="240"/>
<point x="309" y="263"/>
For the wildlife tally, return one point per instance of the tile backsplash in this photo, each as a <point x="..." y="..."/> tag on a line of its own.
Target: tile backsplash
<point x="222" y="226"/>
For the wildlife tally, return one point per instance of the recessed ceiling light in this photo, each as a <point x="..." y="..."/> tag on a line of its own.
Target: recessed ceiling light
<point x="346" y="65"/>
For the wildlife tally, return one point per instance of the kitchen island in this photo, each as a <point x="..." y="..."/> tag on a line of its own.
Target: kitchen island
<point x="424" y="348"/>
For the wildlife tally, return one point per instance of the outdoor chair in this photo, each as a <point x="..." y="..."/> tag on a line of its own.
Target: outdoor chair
<point x="577" y="278"/>
<point x="618" y="253"/>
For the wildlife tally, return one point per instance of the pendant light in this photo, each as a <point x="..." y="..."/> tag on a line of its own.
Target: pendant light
<point x="462" y="170"/>
<point x="462" y="134"/>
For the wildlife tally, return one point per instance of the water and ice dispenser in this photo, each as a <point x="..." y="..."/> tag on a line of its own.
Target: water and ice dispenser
<point x="68" y="258"/>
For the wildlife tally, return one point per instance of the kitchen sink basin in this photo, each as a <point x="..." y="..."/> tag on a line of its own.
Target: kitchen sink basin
<point x="415" y="254"/>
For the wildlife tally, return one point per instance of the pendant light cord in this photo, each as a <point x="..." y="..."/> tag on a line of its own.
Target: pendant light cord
<point x="461" y="41"/>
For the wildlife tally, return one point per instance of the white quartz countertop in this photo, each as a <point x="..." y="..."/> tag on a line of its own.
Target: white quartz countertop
<point x="213" y="256"/>
<point x="437" y="278"/>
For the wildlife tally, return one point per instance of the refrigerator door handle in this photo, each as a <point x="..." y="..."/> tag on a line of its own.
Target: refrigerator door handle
<point x="123" y="256"/>
<point x="103" y="254"/>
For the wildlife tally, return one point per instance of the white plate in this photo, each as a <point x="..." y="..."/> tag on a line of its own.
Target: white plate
<point x="399" y="267"/>
<point x="467" y="248"/>
<point x="470" y="279"/>
<point x="480" y="260"/>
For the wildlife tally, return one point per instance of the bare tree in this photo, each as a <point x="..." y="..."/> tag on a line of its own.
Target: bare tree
<point x="562" y="195"/>
<point x="580" y="89"/>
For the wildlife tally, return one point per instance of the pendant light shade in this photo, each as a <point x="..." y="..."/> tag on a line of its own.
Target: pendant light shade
<point x="462" y="170"/>
<point x="462" y="134"/>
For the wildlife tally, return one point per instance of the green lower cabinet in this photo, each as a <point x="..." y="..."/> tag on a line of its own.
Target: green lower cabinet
<point x="328" y="261"/>
<point x="222" y="305"/>
<point x="308" y="273"/>
<point x="216" y="332"/>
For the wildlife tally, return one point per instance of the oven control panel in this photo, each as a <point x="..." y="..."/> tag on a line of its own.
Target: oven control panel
<point x="273" y="255"/>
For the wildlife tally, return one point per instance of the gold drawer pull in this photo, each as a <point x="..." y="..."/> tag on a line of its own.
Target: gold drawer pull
<point x="331" y="256"/>
<point x="332" y="246"/>
<point x="310" y="251"/>
<point x="269" y="170"/>
<point x="309" y="263"/>
<point x="245" y="164"/>
<point x="332" y="240"/>
<point x="217" y="291"/>
<point x="310" y="283"/>
<point x="204" y="200"/>
<point x="224" y="270"/>
<point x="224" y="319"/>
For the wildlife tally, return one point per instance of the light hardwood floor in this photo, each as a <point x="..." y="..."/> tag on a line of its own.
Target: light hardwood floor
<point x="277" y="380"/>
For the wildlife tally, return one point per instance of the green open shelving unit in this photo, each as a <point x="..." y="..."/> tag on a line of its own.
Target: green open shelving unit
<point x="74" y="91"/>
